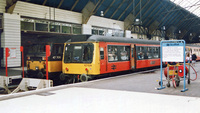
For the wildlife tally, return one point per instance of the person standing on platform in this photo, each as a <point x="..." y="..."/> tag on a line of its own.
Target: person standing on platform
<point x="188" y="58"/>
<point x="194" y="57"/>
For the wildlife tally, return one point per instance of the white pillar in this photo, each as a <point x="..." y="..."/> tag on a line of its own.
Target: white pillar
<point x="86" y="29"/>
<point x="11" y="38"/>
<point x="127" y="33"/>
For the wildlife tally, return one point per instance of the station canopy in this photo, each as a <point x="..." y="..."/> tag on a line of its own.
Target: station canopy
<point x="178" y="18"/>
<point x="192" y="6"/>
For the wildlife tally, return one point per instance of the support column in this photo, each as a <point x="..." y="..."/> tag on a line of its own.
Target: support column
<point x="11" y="38"/>
<point x="86" y="29"/>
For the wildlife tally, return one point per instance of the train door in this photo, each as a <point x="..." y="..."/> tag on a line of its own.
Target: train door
<point x="103" y="57"/>
<point x="132" y="56"/>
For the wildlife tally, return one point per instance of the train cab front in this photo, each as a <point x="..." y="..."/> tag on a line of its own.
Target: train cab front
<point x="36" y="66"/>
<point x="36" y="61"/>
<point x="80" y="61"/>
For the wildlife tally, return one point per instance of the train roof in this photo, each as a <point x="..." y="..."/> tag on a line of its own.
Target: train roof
<point x="192" y="45"/>
<point x="121" y="39"/>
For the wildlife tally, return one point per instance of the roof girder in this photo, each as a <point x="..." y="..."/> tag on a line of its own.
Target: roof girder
<point x="88" y="11"/>
<point x="74" y="5"/>
<point x="125" y="10"/>
<point x="163" y="19"/>
<point x="117" y="9"/>
<point x="109" y="7"/>
<point x="60" y="3"/>
<point x="45" y="1"/>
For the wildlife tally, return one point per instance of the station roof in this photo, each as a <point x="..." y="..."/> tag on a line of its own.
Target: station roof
<point x="153" y="14"/>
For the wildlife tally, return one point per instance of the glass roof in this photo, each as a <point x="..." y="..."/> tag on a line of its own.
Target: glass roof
<point x="191" y="5"/>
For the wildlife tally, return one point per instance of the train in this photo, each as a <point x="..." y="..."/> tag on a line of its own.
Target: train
<point x="102" y="55"/>
<point x="85" y="57"/>
<point x="36" y="56"/>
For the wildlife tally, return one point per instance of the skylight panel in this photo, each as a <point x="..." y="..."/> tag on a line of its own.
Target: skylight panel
<point x="192" y="6"/>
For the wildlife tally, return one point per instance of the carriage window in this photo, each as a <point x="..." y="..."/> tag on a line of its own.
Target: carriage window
<point x="155" y="52"/>
<point x="124" y="53"/>
<point x="148" y="53"/>
<point x="102" y="53"/>
<point x="112" y="53"/>
<point x="140" y="53"/>
<point x="118" y="53"/>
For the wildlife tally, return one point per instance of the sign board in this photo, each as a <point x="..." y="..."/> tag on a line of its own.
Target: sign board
<point x="172" y="52"/>
<point x="13" y="53"/>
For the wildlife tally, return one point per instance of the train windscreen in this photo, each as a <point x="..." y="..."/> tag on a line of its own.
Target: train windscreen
<point x="37" y="49"/>
<point x="79" y="53"/>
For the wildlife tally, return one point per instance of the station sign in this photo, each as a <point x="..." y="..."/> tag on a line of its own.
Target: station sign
<point x="172" y="52"/>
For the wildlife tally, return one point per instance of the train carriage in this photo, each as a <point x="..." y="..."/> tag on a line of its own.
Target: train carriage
<point x="104" y="55"/>
<point x="193" y="49"/>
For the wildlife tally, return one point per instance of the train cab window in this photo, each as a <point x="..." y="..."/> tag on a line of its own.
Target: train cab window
<point x="102" y="53"/>
<point x="87" y="54"/>
<point x="57" y="49"/>
<point x="79" y="53"/>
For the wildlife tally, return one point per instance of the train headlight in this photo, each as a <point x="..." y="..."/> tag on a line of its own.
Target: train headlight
<point x="43" y="58"/>
<point x="180" y="71"/>
<point x="36" y="68"/>
<point x="67" y="69"/>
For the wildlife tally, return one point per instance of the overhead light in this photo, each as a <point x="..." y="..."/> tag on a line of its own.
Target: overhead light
<point x="163" y="27"/>
<point x="137" y="20"/>
<point x="102" y="13"/>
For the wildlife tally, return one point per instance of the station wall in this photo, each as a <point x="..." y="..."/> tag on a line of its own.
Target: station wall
<point x="2" y="6"/>
<point x="105" y="22"/>
<point x="11" y="38"/>
<point x="44" y="12"/>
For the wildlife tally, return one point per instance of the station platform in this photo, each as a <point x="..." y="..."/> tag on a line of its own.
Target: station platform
<point x="15" y="71"/>
<point x="128" y="93"/>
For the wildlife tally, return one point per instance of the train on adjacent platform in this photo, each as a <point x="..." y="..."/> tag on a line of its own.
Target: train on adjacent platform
<point x="36" y="56"/>
<point x="86" y="58"/>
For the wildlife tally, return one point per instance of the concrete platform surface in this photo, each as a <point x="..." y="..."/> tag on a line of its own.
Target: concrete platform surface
<point x="89" y="100"/>
<point x="128" y="93"/>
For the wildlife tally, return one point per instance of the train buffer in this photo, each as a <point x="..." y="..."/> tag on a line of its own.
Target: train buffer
<point x="30" y="83"/>
<point x="4" y="83"/>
